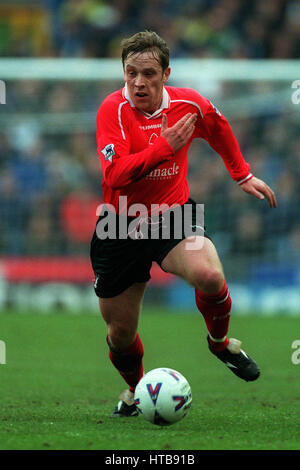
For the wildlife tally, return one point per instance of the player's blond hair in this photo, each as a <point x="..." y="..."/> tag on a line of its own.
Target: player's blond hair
<point x="146" y="41"/>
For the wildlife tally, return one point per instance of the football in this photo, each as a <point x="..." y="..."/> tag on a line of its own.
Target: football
<point x="163" y="396"/>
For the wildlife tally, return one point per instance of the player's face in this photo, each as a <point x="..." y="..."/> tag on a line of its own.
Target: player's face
<point x="145" y="80"/>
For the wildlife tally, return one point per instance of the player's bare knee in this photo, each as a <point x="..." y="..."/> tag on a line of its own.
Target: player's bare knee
<point x="120" y="335"/>
<point x="209" y="279"/>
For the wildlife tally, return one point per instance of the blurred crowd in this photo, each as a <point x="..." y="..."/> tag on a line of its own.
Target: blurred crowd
<point x="50" y="175"/>
<point x="50" y="179"/>
<point x="197" y="28"/>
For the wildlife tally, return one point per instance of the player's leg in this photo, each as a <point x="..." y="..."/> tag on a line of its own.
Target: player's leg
<point x="122" y="270"/>
<point x="121" y="315"/>
<point x="200" y="267"/>
<point x="203" y="270"/>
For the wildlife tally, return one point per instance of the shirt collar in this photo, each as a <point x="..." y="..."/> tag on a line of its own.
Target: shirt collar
<point x="164" y="103"/>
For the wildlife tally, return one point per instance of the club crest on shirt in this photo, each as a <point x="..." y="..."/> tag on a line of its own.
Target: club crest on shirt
<point x="108" y="152"/>
<point x="153" y="138"/>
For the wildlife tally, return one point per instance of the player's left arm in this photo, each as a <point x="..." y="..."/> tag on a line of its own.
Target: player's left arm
<point x="260" y="189"/>
<point x="217" y="131"/>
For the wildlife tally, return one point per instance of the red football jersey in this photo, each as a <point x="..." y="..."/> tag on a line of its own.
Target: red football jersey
<point x="140" y="164"/>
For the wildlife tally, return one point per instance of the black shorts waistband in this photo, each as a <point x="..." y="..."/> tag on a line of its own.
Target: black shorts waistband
<point x="169" y="223"/>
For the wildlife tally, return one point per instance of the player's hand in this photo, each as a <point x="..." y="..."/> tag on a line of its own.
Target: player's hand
<point x="260" y="189"/>
<point x="180" y="133"/>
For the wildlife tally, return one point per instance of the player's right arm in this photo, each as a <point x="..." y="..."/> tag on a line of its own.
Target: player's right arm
<point x="115" y="133"/>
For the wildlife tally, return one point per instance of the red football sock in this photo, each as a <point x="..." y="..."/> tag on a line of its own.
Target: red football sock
<point x="215" y="309"/>
<point x="129" y="362"/>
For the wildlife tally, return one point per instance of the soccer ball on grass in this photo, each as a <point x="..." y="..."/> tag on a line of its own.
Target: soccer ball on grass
<point x="163" y="396"/>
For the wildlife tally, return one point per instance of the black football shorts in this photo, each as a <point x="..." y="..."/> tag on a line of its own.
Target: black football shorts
<point x="123" y="254"/>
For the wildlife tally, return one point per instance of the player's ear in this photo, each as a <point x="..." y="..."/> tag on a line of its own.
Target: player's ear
<point x="166" y="74"/>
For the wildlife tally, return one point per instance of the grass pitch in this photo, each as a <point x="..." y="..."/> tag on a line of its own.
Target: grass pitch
<point x="58" y="387"/>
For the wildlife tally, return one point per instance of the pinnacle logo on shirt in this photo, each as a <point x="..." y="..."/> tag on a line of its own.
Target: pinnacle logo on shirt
<point x="108" y="152"/>
<point x="163" y="173"/>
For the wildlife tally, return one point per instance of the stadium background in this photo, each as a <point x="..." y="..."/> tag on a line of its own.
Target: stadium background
<point x="50" y="177"/>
